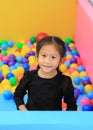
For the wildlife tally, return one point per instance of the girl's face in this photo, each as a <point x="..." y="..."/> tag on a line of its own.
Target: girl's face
<point x="48" y="58"/>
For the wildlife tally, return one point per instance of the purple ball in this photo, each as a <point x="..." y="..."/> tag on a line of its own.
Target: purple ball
<point x="25" y="60"/>
<point x="5" y="62"/>
<point x="11" y="63"/>
<point x="73" y="60"/>
<point x="1" y="77"/>
<point x="27" y="55"/>
<point x="86" y="82"/>
<point x="32" y="53"/>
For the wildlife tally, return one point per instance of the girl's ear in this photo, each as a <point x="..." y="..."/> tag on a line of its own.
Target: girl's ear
<point x="62" y="60"/>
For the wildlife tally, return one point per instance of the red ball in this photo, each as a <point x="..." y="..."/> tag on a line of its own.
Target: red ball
<point x="40" y="36"/>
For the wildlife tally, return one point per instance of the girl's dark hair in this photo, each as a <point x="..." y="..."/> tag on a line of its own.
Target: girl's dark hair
<point x="59" y="43"/>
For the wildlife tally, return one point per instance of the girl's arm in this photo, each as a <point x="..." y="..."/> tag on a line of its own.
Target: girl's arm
<point x="20" y="91"/>
<point x="68" y="92"/>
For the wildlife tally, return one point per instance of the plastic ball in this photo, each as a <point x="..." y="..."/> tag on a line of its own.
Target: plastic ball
<point x="75" y="73"/>
<point x="63" y="68"/>
<point x="40" y="36"/>
<point x="4" y="53"/>
<point x="87" y="107"/>
<point x="9" y="75"/>
<point x="7" y="94"/>
<point x="76" y="93"/>
<point x="76" y="80"/>
<point x="11" y="63"/>
<point x="88" y="88"/>
<point x="25" y="60"/>
<point x="84" y="78"/>
<point x="67" y="63"/>
<point x="19" y="45"/>
<point x="10" y="43"/>
<point x="90" y="94"/>
<point x="83" y="73"/>
<point x="84" y="101"/>
<point x="4" y="46"/>
<point x="74" y="65"/>
<point x="73" y="60"/>
<point x="81" y="68"/>
<point x="72" y="70"/>
<point x="19" y="59"/>
<point x="13" y="81"/>
<point x="33" y="39"/>
<point x="81" y="88"/>
<point x="67" y="41"/>
<point x="1" y="77"/>
<point x="26" y="66"/>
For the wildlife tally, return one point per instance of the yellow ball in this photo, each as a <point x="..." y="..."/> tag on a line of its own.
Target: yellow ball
<point x="74" y="65"/>
<point x="20" y="70"/>
<point x="63" y="68"/>
<point x="74" y="74"/>
<point x="69" y="56"/>
<point x="71" y="45"/>
<point x="83" y="73"/>
<point x="88" y="88"/>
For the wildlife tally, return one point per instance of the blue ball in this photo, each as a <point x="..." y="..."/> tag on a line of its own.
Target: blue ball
<point x="4" y="46"/>
<point x="26" y="66"/>
<point x="19" y="59"/>
<point x="7" y="94"/>
<point x="87" y="107"/>
<point x="90" y="95"/>
<point x="10" y="43"/>
<point x="67" y="63"/>
<point x="81" y="88"/>
<point x="81" y="68"/>
<point x="76" y="80"/>
<point x="84" y="78"/>
<point x="9" y="75"/>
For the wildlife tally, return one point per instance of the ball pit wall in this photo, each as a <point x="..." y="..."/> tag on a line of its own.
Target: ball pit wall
<point x="84" y="34"/>
<point x="46" y="120"/>
<point x="24" y="18"/>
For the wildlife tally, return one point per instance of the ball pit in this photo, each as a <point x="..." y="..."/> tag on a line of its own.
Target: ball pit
<point x="22" y="57"/>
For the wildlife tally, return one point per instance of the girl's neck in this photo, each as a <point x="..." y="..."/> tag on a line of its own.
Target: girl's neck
<point x="43" y="74"/>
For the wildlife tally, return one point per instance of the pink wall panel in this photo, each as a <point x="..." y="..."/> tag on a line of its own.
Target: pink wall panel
<point x="84" y="34"/>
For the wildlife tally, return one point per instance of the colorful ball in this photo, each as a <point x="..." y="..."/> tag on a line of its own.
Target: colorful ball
<point x="81" y="88"/>
<point x="90" y="94"/>
<point x="40" y="36"/>
<point x="9" y="75"/>
<point x="84" y="101"/>
<point x="7" y="94"/>
<point x="76" y="80"/>
<point x="13" y="81"/>
<point x="67" y="40"/>
<point x="33" y="39"/>
<point x="10" y="43"/>
<point x="87" y="107"/>
<point x="88" y="88"/>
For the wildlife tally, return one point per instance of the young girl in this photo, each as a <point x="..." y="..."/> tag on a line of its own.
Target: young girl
<point x="46" y="85"/>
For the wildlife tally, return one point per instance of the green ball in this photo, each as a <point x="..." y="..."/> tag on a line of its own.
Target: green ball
<point x="3" y="42"/>
<point x="13" y="81"/>
<point x="33" y="39"/>
<point x="19" y="45"/>
<point x="4" y="53"/>
<point x="67" y="41"/>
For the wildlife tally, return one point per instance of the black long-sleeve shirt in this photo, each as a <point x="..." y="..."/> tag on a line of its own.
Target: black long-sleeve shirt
<point x="45" y="94"/>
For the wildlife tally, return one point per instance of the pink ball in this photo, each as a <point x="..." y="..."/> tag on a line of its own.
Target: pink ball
<point x="71" y="70"/>
<point x="1" y="57"/>
<point x="79" y="62"/>
<point x="6" y="58"/>
<point x="84" y="101"/>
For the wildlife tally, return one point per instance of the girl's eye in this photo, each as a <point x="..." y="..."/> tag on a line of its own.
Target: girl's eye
<point x="53" y="57"/>
<point x="44" y="55"/>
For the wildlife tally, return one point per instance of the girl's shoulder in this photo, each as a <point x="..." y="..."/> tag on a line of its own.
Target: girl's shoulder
<point x="29" y="73"/>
